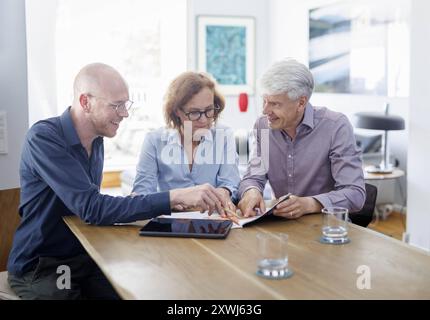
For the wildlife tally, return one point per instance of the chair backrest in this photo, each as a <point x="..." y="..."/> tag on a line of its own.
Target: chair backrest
<point x="9" y="220"/>
<point x="365" y="215"/>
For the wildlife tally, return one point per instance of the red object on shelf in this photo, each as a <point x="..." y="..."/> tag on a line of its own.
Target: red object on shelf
<point x="243" y="102"/>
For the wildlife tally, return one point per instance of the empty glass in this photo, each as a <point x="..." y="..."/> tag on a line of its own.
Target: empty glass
<point x="273" y="255"/>
<point x="335" y="225"/>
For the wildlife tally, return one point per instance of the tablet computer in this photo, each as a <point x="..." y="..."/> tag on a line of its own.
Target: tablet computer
<point x="189" y="228"/>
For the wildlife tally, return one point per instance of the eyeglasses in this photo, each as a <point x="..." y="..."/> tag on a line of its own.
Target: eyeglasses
<point x="118" y="107"/>
<point x="196" y="115"/>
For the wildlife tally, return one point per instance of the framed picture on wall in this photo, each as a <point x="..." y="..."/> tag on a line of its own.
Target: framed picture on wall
<point x="226" y="50"/>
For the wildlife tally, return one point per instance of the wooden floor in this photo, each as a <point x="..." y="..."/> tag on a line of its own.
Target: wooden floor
<point x="394" y="225"/>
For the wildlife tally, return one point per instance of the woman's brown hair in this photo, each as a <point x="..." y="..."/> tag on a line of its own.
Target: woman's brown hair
<point x="182" y="89"/>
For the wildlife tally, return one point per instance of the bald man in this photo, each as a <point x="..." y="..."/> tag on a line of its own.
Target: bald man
<point x="61" y="172"/>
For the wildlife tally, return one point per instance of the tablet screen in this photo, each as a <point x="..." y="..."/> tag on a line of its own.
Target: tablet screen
<point x="195" y="228"/>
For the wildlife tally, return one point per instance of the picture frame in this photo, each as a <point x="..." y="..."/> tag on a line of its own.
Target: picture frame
<point x="226" y="50"/>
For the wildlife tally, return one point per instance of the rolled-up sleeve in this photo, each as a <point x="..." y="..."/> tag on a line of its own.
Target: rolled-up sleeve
<point x="346" y="169"/>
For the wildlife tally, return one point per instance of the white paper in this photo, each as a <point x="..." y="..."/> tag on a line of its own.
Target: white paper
<point x="215" y="216"/>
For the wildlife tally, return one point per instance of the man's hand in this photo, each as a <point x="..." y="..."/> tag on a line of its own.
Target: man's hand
<point x="204" y="197"/>
<point x="224" y="194"/>
<point x="251" y="200"/>
<point x="296" y="207"/>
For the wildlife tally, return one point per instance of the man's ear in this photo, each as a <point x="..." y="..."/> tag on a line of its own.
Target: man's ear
<point x="302" y="102"/>
<point x="84" y="102"/>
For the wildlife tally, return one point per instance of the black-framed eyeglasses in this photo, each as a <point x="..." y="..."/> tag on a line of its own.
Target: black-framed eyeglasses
<point x="196" y="115"/>
<point x="118" y="107"/>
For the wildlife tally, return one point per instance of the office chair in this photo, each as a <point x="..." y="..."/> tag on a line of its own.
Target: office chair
<point x="365" y="215"/>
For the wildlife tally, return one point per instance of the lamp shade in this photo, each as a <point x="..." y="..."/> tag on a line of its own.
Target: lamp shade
<point x="378" y="121"/>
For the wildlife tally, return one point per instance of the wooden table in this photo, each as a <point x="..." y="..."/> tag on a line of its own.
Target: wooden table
<point x="181" y="268"/>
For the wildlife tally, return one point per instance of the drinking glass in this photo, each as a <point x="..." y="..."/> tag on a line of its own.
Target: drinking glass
<point x="335" y="225"/>
<point x="273" y="255"/>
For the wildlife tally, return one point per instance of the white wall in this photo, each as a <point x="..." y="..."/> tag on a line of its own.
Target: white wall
<point x="259" y="9"/>
<point x="418" y="218"/>
<point x="13" y="87"/>
<point x="42" y="89"/>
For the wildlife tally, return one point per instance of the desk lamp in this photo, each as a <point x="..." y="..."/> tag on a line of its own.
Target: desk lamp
<point x="380" y="121"/>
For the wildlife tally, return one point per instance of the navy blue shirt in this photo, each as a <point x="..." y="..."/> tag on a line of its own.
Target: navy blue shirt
<point x="59" y="179"/>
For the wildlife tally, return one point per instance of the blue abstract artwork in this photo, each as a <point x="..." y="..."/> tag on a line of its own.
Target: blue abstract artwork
<point x="226" y="54"/>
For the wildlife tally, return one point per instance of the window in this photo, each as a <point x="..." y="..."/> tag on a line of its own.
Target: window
<point x="360" y="47"/>
<point x="142" y="39"/>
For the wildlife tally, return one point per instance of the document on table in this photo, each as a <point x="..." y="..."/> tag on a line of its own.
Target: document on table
<point x="242" y="220"/>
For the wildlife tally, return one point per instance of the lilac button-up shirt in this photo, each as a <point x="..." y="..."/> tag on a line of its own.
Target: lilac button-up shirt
<point x="322" y="161"/>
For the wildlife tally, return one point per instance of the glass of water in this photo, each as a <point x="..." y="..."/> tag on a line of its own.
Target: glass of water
<point x="335" y="225"/>
<point x="273" y="255"/>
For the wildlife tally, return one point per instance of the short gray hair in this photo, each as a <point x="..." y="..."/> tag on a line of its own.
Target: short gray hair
<point x="288" y="76"/>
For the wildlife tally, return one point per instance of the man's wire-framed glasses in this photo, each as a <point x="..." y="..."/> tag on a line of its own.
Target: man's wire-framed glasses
<point x="120" y="107"/>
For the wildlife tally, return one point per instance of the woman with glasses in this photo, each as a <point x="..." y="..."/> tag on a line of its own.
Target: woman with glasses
<point x="191" y="150"/>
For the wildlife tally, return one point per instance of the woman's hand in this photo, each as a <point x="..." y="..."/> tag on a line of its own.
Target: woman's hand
<point x="224" y="194"/>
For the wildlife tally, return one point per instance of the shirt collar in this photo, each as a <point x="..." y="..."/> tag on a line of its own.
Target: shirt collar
<point x="308" y="119"/>
<point x="69" y="130"/>
<point x="171" y="136"/>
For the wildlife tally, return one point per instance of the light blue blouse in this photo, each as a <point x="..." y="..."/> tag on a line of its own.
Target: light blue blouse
<point x="163" y="162"/>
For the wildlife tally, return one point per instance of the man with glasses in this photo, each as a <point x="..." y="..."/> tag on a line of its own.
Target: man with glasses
<point x="61" y="172"/>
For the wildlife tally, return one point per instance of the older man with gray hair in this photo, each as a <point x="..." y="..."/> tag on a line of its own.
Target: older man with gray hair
<point x="300" y="149"/>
